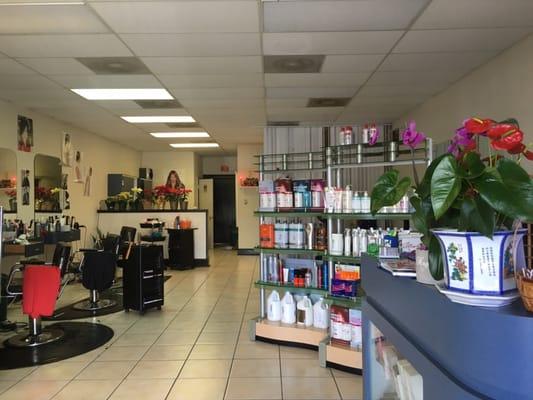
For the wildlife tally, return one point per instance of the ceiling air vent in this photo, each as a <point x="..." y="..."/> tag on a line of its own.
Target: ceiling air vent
<point x="328" y="102"/>
<point x="184" y="125"/>
<point x="293" y="64"/>
<point x="283" y="123"/>
<point x="150" y="104"/>
<point x="114" y="65"/>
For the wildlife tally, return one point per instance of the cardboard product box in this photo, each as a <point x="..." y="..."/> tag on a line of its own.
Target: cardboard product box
<point x="301" y="186"/>
<point x="340" y="329"/>
<point x="266" y="236"/>
<point x="355" y="324"/>
<point x="266" y="186"/>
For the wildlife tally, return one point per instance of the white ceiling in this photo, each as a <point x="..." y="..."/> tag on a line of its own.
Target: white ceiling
<point x="387" y="55"/>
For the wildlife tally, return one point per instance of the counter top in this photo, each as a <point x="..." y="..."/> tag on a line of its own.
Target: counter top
<point x="153" y="210"/>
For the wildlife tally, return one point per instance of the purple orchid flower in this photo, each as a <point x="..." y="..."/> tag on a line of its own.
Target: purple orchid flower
<point x="411" y="137"/>
<point x="462" y="141"/>
<point x="374" y="136"/>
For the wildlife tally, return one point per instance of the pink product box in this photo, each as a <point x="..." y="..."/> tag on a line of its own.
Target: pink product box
<point x="283" y="185"/>
<point x="317" y="185"/>
<point x="266" y="186"/>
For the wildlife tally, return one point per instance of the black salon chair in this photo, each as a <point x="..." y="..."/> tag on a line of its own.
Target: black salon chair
<point x="43" y="284"/>
<point x="98" y="273"/>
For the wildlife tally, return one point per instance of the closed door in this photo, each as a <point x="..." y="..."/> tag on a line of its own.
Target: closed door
<point x="205" y="201"/>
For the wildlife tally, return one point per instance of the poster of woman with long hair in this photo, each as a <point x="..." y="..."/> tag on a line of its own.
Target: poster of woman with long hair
<point x="24" y="133"/>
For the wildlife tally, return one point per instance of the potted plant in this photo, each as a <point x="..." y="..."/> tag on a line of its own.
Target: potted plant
<point x="184" y="198"/>
<point x="122" y="199"/>
<point x="468" y="208"/>
<point x="159" y="194"/>
<point x="110" y="203"/>
<point x="136" y="202"/>
<point x="12" y="194"/>
<point x="173" y="196"/>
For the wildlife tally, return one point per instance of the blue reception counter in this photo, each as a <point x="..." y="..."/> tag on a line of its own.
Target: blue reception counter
<point x="462" y="352"/>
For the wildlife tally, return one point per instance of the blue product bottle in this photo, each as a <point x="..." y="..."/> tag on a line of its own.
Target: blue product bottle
<point x="307" y="199"/>
<point x="325" y="275"/>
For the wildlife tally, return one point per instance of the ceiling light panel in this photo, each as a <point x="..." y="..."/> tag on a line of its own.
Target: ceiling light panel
<point x="193" y="145"/>
<point x="167" y="135"/>
<point x="56" y="66"/>
<point x="38" y="19"/>
<point x="191" y="81"/>
<point x="108" y="81"/>
<point x="204" y="65"/>
<point x="351" y="63"/>
<point x="71" y="45"/>
<point x="332" y="16"/>
<point x="194" y="44"/>
<point x="454" y="14"/>
<point x="316" y="80"/>
<point x="165" y="119"/>
<point x="330" y="42"/>
<point x="460" y="40"/>
<point x="124" y="94"/>
<point x="435" y="61"/>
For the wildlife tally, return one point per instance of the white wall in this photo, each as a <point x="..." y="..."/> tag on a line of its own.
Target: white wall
<point x="211" y="165"/>
<point x="183" y="162"/>
<point x="246" y="199"/>
<point x="500" y="89"/>
<point x="101" y="154"/>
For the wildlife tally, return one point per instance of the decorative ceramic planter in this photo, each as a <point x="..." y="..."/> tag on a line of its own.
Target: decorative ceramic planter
<point x="423" y="275"/>
<point x="184" y="204"/>
<point x="476" y="264"/>
<point x="173" y="204"/>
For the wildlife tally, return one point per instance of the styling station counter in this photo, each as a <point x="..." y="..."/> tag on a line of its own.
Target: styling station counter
<point x="113" y="221"/>
<point x="447" y="350"/>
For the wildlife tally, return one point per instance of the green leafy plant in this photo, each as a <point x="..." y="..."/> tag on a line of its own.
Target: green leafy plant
<point x="459" y="190"/>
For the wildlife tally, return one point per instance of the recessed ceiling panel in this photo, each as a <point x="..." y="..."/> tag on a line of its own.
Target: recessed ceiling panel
<point x="378" y="42"/>
<point x="62" y="46"/>
<point x="453" y="14"/>
<point x="307" y="92"/>
<point x="42" y="19"/>
<point x="180" y="16"/>
<point x="435" y="61"/>
<point x="56" y="66"/>
<point x="204" y="65"/>
<point x="460" y="40"/>
<point x="194" y="44"/>
<point x="190" y="81"/>
<point x="158" y="104"/>
<point x="321" y="102"/>
<point x="114" y="65"/>
<point x="338" y="16"/>
<point x="352" y="63"/>
<point x="293" y="64"/>
<point x="107" y="81"/>
<point x="316" y="80"/>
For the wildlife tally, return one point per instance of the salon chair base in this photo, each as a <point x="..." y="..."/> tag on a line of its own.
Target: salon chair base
<point x="94" y="303"/>
<point x="37" y="336"/>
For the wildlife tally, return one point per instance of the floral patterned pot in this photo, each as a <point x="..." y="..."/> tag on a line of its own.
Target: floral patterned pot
<point x="476" y="264"/>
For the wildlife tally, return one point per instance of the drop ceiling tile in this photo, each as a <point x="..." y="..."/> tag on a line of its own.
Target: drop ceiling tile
<point x="435" y="61"/>
<point x="453" y="14"/>
<point x="316" y="80"/>
<point x="191" y="81"/>
<point x="204" y="65"/>
<point x="34" y="82"/>
<point x="399" y="90"/>
<point x="352" y="63"/>
<point x="220" y="93"/>
<point x="332" y="16"/>
<point x="194" y="44"/>
<point x="378" y="42"/>
<point x="118" y="105"/>
<point x="415" y="77"/>
<point x="460" y="40"/>
<point x="58" y="19"/>
<point x="362" y="100"/>
<point x="307" y="92"/>
<point x="11" y="67"/>
<point x="289" y="103"/>
<point x="180" y="16"/>
<point x="107" y="81"/>
<point x="154" y="111"/>
<point x="56" y="66"/>
<point x="42" y="94"/>
<point x="222" y="103"/>
<point x="73" y="45"/>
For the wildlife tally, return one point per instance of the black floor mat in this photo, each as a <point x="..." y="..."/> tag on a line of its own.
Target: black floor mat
<point x="69" y="312"/>
<point x="80" y="338"/>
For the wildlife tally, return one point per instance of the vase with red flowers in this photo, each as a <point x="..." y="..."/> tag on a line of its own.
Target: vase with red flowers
<point x="469" y="208"/>
<point x="12" y="196"/>
<point x="159" y="196"/>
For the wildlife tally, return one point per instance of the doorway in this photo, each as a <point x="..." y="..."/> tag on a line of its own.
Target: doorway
<point x="223" y="209"/>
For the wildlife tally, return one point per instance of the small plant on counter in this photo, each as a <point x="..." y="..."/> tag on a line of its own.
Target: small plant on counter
<point x="122" y="199"/>
<point x="136" y="202"/>
<point x="460" y="190"/>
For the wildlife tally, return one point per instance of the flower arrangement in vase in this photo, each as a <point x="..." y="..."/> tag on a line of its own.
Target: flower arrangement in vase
<point x="122" y="200"/>
<point x="468" y="208"/>
<point x="12" y="195"/>
<point x="159" y="196"/>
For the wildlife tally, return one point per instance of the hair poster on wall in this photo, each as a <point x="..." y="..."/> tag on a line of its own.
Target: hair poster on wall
<point x="24" y="133"/>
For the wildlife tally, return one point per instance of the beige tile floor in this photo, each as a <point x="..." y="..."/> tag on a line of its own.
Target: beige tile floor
<point x="196" y="348"/>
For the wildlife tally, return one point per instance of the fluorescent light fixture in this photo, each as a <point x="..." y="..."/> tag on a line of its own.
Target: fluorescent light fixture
<point x="124" y="94"/>
<point x="50" y="3"/>
<point x="163" y="135"/>
<point x="163" y="119"/>
<point x="192" y="145"/>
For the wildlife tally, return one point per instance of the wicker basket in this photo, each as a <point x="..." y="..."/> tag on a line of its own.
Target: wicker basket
<point x="525" y="287"/>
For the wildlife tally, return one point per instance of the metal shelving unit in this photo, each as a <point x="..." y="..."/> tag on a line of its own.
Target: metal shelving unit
<point x="294" y="289"/>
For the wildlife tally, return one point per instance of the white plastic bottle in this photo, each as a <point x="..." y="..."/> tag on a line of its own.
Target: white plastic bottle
<point x="365" y="203"/>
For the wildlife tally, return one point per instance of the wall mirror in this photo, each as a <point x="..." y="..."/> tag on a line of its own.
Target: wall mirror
<point x="8" y="180"/>
<point x="48" y="195"/>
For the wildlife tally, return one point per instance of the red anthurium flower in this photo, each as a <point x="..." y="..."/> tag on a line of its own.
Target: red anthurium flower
<point x="508" y="140"/>
<point x="477" y="125"/>
<point x="529" y="154"/>
<point x="499" y="130"/>
<point x="519" y="148"/>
